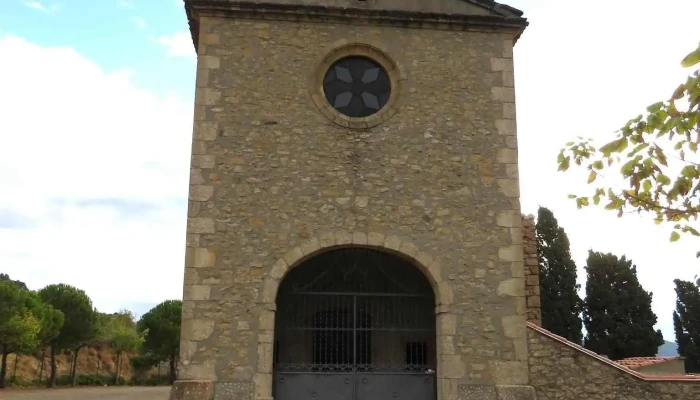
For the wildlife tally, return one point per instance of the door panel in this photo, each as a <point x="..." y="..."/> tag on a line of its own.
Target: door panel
<point x="395" y="387"/>
<point x="313" y="386"/>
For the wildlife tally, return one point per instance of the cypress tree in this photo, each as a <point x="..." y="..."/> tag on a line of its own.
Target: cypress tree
<point x="560" y="302"/>
<point x="617" y="310"/>
<point x="686" y="323"/>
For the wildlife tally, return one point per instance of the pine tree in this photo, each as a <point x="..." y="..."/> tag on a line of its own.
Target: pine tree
<point x="560" y="302"/>
<point x="686" y="322"/>
<point x="617" y="310"/>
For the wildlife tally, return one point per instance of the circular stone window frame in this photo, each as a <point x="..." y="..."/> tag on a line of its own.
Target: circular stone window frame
<point x="343" y="49"/>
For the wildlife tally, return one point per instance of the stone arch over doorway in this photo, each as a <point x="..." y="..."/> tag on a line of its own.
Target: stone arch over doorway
<point x="445" y="323"/>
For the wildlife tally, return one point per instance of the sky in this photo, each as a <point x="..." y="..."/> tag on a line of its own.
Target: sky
<point x="91" y="90"/>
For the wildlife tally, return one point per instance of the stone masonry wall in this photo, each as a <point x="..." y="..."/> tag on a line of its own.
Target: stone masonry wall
<point x="274" y="181"/>
<point x="562" y="372"/>
<point x="532" y="271"/>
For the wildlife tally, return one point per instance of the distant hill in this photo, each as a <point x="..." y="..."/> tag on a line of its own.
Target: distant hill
<point x="668" y="349"/>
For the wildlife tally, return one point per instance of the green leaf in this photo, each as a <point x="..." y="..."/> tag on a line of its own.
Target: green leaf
<point x="646" y="185"/>
<point x="572" y="196"/>
<point x="592" y="176"/>
<point x="691" y="59"/>
<point x="655" y="107"/>
<point x="675" y="236"/>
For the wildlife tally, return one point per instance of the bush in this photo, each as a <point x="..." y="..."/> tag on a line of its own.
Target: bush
<point x="152" y="381"/>
<point x="19" y="382"/>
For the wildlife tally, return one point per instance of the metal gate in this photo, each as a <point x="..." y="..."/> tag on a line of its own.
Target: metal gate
<point x="355" y="324"/>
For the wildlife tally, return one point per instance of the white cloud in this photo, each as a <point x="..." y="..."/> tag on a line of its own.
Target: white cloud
<point x="125" y="4"/>
<point x="140" y="22"/>
<point x="38" y="6"/>
<point x="178" y="44"/>
<point x="94" y="175"/>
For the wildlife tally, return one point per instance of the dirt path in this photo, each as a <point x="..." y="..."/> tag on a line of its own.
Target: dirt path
<point x="102" y="393"/>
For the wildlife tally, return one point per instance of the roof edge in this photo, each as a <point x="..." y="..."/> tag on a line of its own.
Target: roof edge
<point x="312" y="13"/>
<point x="640" y="376"/>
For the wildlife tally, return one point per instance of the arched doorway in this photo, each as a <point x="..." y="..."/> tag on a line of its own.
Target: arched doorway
<point x="355" y="324"/>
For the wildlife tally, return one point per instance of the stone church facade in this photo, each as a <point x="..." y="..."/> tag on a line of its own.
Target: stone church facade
<point x="354" y="228"/>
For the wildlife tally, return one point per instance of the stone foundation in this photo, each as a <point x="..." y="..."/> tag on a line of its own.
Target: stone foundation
<point x="209" y="390"/>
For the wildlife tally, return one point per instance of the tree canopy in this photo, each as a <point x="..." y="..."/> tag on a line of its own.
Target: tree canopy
<point x="561" y="304"/>
<point x="162" y="324"/>
<point x="20" y="284"/>
<point x="80" y="320"/>
<point x="655" y="157"/>
<point x="686" y="323"/>
<point x="617" y="312"/>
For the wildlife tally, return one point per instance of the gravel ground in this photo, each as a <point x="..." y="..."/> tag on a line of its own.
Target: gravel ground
<point x="103" y="393"/>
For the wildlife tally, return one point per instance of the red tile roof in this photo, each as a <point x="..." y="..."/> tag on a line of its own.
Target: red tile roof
<point x="605" y="360"/>
<point x="640" y="362"/>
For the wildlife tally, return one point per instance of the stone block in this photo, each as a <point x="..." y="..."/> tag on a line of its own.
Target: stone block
<point x="203" y="161"/>
<point x="376" y="239"/>
<point x="197" y="329"/>
<point x="514" y="287"/>
<point x="515" y="392"/>
<point x="279" y="269"/>
<point x="263" y="385"/>
<point x="446" y="324"/>
<point x="200" y="257"/>
<point x="202" y="79"/>
<point x="327" y="239"/>
<point x="359" y="238"/>
<point x="501" y="64"/>
<point x="343" y="238"/>
<point x="508" y="79"/>
<point x="514" y="326"/>
<point x="293" y="256"/>
<point x="508" y="219"/>
<point x="506" y="127"/>
<point x="477" y="392"/>
<point x="507" y="156"/>
<point x="192" y="390"/>
<point x="511" y="253"/>
<point x="408" y="249"/>
<point x="452" y="366"/>
<point x="196" y="177"/>
<point x="509" y="111"/>
<point x="266" y="321"/>
<point x="205" y="131"/>
<point x="207" y="97"/>
<point x="392" y="242"/>
<point x="199" y="147"/>
<point x="310" y="246"/>
<point x="509" y="187"/>
<point x="504" y="94"/>
<point x="197" y="292"/>
<point x="201" y="192"/>
<point x="225" y="390"/>
<point x="509" y="372"/>
<point x="209" y="38"/>
<point x="265" y="357"/>
<point x="209" y="62"/>
<point x="205" y="370"/>
<point x="187" y="350"/>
